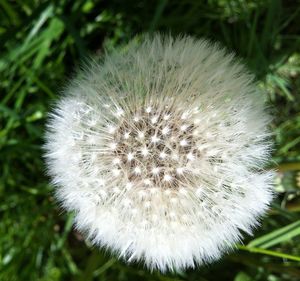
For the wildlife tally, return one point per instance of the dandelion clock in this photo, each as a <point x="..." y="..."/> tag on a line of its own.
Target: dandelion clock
<point x="159" y="149"/>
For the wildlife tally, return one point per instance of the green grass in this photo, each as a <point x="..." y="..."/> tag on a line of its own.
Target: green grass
<point x="42" y="42"/>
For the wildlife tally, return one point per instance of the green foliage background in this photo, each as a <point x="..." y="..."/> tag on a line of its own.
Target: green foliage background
<point x="42" y="42"/>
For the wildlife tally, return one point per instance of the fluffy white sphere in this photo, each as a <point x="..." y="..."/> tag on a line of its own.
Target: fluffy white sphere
<point x="159" y="150"/>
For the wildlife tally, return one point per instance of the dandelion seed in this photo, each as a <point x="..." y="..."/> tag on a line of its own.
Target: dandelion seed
<point x="113" y="145"/>
<point x="116" y="161"/>
<point x="137" y="170"/>
<point x="183" y="127"/>
<point x="129" y="185"/>
<point x="154" y="120"/>
<point x="165" y="131"/>
<point x="162" y="155"/>
<point x="183" y="142"/>
<point x="111" y="129"/>
<point x="126" y="135"/>
<point x="141" y="135"/>
<point x="145" y="151"/>
<point x="167" y="178"/>
<point x="155" y="139"/>
<point x="130" y="156"/>
<point x="155" y="171"/>
<point x="136" y="118"/>
<point x="171" y="172"/>
<point x="147" y="181"/>
<point x="190" y="156"/>
<point x="167" y="117"/>
<point x="179" y="170"/>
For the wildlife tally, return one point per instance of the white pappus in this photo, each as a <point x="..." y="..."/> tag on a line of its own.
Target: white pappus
<point x="159" y="149"/>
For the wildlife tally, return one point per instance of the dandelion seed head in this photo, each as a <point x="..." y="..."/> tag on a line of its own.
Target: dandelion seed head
<point x="159" y="150"/>
<point x="136" y="156"/>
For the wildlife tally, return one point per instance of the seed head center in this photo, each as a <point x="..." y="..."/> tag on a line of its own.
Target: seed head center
<point x="154" y="148"/>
